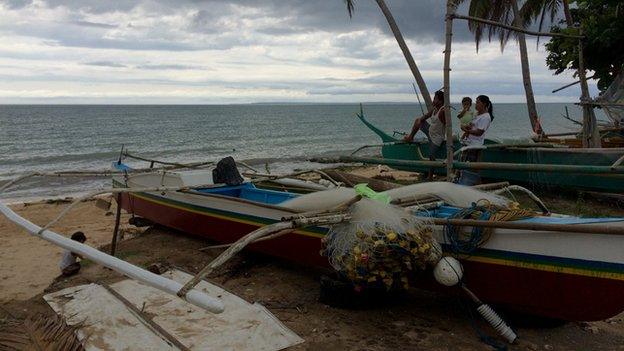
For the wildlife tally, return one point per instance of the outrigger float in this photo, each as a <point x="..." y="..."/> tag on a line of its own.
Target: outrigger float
<point x="559" y="267"/>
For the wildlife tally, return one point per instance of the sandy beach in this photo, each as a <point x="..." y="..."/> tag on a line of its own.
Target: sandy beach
<point x="30" y="264"/>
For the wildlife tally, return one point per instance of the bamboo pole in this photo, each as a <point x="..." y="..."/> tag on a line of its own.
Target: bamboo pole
<point x="277" y="176"/>
<point x="450" y="10"/>
<point x="617" y="163"/>
<point x="538" y="167"/>
<point x="549" y="227"/>
<point x="516" y="29"/>
<point x="254" y="236"/>
<point x="599" y="103"/>
<point x="571" y="84"/>
<point x="591" y="137"/>
<point x="418" y="97"/>
<point x="180" y="165"/>
<point x="614" y="129"/>
<point x="195" y="297"/>
<point x="113" y="248"/>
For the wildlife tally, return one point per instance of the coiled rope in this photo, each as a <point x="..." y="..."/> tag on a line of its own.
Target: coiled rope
<point x="466" y="242"/>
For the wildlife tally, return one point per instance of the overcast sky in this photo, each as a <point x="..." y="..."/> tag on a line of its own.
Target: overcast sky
<point x="219" y="51"/>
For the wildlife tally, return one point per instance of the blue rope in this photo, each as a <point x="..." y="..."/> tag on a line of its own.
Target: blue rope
<point x="467" y="243"/>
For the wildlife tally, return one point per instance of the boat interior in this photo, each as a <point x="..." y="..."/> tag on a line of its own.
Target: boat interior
<point x="248" y="191"/>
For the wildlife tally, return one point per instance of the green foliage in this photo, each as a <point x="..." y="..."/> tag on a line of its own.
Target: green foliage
<point x="602" y="24"/>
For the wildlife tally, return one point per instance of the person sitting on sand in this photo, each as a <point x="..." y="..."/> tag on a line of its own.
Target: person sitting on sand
<point x="466" y="115"/>
<point x="433" y="128"/>
<point x="69" y="266"/>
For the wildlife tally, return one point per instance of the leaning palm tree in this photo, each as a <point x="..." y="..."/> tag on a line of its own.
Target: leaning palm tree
<point x="507" y="12"/>
<point x="406" y="52"/>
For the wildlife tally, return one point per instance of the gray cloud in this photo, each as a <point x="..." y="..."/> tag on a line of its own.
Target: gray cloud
<point x="332" y="51"/>
<point x="92" y="24"/>
<point x="171" y="67"/>
<point x="105" y="64"/>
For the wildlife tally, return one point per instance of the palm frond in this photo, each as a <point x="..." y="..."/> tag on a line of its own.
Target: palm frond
<point x="350" y="7"/>
<point x="537" y="10"/>
<point x="39" y="333"/>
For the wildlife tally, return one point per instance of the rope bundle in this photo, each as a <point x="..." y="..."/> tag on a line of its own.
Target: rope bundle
<point x="463" y="242"/>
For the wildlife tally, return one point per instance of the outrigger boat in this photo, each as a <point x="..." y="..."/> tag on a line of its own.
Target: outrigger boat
<point x="562" y="275"/>
<point x="493" y="151"/>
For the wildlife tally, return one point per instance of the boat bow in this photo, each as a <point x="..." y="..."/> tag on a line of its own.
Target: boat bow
<point x="383" y="135"/>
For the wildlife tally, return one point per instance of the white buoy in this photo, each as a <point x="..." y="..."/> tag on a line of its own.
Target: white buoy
<point x="448" y="271"/>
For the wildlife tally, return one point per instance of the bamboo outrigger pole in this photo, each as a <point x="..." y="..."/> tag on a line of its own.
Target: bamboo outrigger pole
<point x="195" y="297"/>
<point x="450" y="10"/>
<point x="516" y="29"/>
<point x="523" y="167"/>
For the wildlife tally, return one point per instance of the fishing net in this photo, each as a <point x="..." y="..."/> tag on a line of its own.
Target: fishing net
<point x="381" y="245"/>
<point x="450" y="193"/>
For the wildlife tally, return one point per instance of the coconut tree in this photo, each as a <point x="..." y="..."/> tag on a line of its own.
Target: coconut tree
<point x="507" y="12"/>
<point x="531" y="11"/>
<point x="406" y="52"/>
<point x="537" y="10"/>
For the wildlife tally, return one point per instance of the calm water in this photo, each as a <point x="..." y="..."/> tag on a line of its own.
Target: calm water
<point x="81" y="137"/>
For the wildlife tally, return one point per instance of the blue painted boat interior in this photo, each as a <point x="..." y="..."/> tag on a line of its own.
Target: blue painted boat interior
<point x="248" y="191"/>
<point x="447" y="211"/>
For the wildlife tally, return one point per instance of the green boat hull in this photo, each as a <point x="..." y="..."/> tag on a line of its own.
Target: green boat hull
<point x="499" y="153"/>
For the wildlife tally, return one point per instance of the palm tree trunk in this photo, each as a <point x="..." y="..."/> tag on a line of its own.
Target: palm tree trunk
<point x="566" y="12"/>
<point x="408" y="56"/>
<point x="526" y="73"/>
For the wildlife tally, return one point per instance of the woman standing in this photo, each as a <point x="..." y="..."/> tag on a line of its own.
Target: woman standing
<point x="474" y="136"/>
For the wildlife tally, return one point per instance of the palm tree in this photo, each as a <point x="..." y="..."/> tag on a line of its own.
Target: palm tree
<point x="406" y="52"/>
<point x="533" y="9"/>
<point x="507" y="12"/>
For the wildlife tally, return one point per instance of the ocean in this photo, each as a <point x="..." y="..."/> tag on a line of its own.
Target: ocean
<point x="49" y="138"/>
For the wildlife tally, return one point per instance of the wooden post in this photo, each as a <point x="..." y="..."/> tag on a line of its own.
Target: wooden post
<point x="591" y="137"/>
<point x="450" y="10"/>
<point x="116" y="230"/>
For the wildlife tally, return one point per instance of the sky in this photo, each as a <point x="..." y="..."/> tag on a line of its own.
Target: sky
<point x="247" y="51"/>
